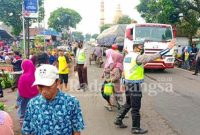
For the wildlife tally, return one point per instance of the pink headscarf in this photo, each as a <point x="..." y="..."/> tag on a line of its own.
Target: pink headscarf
<point x="26" y="80"/>
<point x="115" y="58"/>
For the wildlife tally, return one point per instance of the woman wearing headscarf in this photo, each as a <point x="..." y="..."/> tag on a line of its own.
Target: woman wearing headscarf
<point x="25" y="89"/>
<point x="115" y="76"/>
<point x="112" y="72"/>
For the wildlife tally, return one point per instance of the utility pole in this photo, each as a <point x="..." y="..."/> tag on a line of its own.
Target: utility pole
<point x="28" y="19"/>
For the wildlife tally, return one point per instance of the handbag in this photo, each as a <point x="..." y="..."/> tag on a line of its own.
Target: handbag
<point x="108" y="89"/>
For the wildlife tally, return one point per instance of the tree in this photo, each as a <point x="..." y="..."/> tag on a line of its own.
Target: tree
<point x="193" y="5"/>
<point x="124" y="20"/>
<point x="189" y="24"/>
<point x="181" y="13"/>
<point x="95" y="36"/>
<point x="87" y="37"/>
<point x="63" y="18"/>
<point x="78" y="36"/>
<point x="160" y="11"/>
<point x="105" y="26"/>
<point x="11" y="12"/>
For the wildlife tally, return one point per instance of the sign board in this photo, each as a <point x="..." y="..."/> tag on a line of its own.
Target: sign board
<point x="31" y="8"/>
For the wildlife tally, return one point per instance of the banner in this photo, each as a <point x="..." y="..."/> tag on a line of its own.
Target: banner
<point x="31" y="8"/>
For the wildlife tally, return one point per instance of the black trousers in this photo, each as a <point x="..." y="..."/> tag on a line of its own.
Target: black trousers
<point x="82" y="74"/>
<point x="133" y="102"/>
<point x="16" y="79"/>
<point x="197" y="66"/>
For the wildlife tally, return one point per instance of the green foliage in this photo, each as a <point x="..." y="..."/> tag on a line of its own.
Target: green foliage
<point x="124" y="20"/>
<point x="95" y="36"/>
<point x="105" y="26"/>
<point x="39" y="41"/>
<point x="11" y="12"/>
<point x="87" y="37"/>
<point x="6" y="81"/>
<point x="2" y="106"/>
<point x="184" y="14"/>
<point x="159" y="11"/>
<point x="78" y="36"/>
<point x="189" y="25"/>
<point x="192" y="5"/>
<point x="63" y="18"/>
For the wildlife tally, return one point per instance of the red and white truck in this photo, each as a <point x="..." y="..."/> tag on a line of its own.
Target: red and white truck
<point x="156" y="37"/>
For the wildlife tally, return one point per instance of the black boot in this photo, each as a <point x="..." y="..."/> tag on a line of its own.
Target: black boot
<point x="136" y="126"/>
<point x="119" y="123"/>
<point x="121" y="116"/>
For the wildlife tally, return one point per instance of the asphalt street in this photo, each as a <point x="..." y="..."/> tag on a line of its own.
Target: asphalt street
<point x="181" y="106"/>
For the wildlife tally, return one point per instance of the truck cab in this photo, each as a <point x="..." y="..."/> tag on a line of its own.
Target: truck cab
<point x="156" y="38"/>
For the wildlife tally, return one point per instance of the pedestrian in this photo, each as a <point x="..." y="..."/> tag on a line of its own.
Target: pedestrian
<point x="81" y="64"/>
<point x="133" y="77"/>
<point x="1" y="90"/>
<point x="194" y="48"/>
<point x="25" y="89"/>
<point x="112" y="74"/>
<point x="97" y="52"/>
<point x="186" y="59"/>
<point x="34" y="59"/>
<point x="6" y="124"/>
<point x="197" y="63"/>
<point x="63" y="68"/>
<point x="16" y="62"/>
<point x="74" y="48"/>
<point x="42" y="58"/>
<point x="115" y="76"/>
<point x="52" y="112"/>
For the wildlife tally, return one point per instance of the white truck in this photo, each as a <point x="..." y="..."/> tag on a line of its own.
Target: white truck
<point x="156" y="38"/>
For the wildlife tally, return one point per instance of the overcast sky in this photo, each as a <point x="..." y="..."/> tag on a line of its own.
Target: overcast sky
<point x="90" y="11"/>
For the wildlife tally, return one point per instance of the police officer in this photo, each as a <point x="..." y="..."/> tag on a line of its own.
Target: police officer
<point x="197" y="63"/>
<point x="133" y="77"/>
<point x="81" y="64"/>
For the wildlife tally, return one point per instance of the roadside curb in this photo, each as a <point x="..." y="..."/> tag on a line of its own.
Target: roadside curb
<point x="185" y="70"/>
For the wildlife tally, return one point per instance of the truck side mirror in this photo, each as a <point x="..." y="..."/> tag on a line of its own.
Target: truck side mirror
<point x="129" y="33"/>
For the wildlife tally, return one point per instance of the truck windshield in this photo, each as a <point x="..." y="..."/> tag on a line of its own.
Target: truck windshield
<point x="153" y="33"/>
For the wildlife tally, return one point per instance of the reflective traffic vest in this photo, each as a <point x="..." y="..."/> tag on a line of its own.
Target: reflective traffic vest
<point x="81" y="56"/>
<point x="132" y="71"/>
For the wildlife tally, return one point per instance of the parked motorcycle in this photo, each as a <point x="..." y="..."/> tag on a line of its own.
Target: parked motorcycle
<point x="98" y="60"/>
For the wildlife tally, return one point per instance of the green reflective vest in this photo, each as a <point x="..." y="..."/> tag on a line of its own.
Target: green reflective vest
<point x="132" y="70"/>
<point x="81" y="56"/>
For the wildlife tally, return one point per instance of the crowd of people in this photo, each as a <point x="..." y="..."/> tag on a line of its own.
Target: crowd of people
<point x="43" y="107"/>
<point x="188" y="57"/>
<point x="39" y="81"/>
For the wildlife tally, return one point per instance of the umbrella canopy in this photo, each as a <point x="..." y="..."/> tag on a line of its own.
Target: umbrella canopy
<point x="50" y="32"/>
<point x="112" y="35"/>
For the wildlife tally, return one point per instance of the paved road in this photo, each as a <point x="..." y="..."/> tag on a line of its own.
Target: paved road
<point x="100" y="122"/>
<point x="181" y="107"/>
